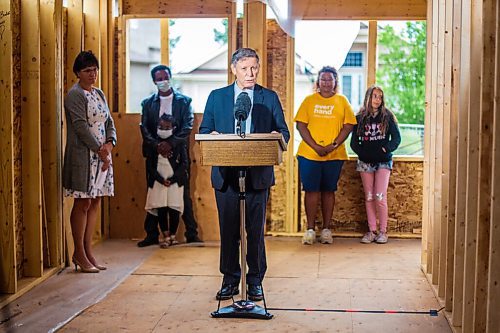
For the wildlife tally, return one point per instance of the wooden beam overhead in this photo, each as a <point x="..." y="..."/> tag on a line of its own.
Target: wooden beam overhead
<point x="177" y="9"/>
<point x="359" y="9"/>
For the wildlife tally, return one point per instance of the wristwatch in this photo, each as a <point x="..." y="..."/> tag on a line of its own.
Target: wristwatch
<point x="112" y="141"/>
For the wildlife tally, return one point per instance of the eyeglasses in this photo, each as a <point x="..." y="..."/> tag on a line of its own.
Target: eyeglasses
<point x="90" y="70"/>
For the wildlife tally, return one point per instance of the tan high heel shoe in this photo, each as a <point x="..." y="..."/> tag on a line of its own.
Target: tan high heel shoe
<point x="90" y="269"/>
<point x="94" y="262"/>
<point x="100" y="267"/>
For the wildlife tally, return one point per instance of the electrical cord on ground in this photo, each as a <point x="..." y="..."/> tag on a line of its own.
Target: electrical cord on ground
<point x="431" y="312"/>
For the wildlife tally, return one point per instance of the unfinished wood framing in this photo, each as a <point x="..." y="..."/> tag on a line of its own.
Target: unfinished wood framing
<point x="445" y="154"/>
<point x="461" y="233"/>
<point x="466" y="160"/>
<point x="358" y="9"/>
<point x="164" y="42"/>
<point x="74" y="39"/>
<point x="292" y="171"/>
<point x="455" y="15"/>
<point x="232" y="37"/>
<point x="426" y="226"/>
<point x="493" y="291"/>
<point x="186" y="8"/>
<point x="51" y="112"/>
<point x="372" y="53"/>
<point x="31" y="136"/>
<point x="462" y="31"/>
<point x="34" y="43"/>
<point x="255" y="35"/>
<point x="485" y="163"/>
<point x="8" y="280"/>
<point x="91" y="34"/>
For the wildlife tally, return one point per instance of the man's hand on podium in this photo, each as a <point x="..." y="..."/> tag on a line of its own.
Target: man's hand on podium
<point x="214" y="132"/>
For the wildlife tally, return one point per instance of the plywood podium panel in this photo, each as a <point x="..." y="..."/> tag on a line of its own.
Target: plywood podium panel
<point x="255" y="149"/>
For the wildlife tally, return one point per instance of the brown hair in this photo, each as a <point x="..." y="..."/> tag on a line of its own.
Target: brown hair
<point x="366" y="110"/>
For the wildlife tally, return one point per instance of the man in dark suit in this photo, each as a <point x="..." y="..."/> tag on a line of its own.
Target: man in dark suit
<point x="169" y="101"/>
<point x="266" y="116"/>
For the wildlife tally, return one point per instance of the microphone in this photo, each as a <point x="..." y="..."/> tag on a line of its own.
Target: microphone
<point x="242" y="107"/>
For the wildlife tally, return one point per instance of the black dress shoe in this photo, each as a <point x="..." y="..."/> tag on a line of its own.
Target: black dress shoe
<point x="194" y="239"/>
<point x="227" y="291"/>
<point x="147" y="242"/>
<point x="255" y="292"/>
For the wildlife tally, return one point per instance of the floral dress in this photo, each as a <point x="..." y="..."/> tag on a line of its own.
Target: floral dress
<point x="101" y="182"/>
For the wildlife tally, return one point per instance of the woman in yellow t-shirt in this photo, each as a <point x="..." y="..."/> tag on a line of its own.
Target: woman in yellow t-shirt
<point x="324" y="120"/>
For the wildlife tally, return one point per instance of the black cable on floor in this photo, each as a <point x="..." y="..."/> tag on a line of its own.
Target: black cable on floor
<point x="431" y="312"/>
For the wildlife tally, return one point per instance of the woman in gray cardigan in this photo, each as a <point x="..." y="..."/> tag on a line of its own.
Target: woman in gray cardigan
<point x="87" y="171"/>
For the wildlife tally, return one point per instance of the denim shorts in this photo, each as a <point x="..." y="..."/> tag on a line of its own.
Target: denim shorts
<point x="372" y="167"/>
<point x="319" y="176"/>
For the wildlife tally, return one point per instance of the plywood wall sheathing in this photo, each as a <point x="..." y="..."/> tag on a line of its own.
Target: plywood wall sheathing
<point x="276" y="45"/>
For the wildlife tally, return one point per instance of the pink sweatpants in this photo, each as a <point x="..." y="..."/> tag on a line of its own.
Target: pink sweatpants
<point x="375" y="186"/>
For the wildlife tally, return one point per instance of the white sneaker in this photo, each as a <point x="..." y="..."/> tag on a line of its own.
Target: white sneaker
<point x="309" y="237"/>
<point x="381" y="238"/>
<point x="326" y="237"/>
<point x="369" y="237"/>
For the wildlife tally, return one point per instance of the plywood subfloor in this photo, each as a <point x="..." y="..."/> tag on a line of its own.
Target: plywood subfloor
<point x="173" y="291"/>
<point x="64" y="295"/>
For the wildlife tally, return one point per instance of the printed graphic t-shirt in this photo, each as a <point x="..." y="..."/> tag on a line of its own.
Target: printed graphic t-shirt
<point x="324" y="118"/>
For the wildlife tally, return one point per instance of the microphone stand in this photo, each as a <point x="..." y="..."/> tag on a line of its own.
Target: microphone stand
<point x="243" y="308"/>
<point x="238" y="128"/>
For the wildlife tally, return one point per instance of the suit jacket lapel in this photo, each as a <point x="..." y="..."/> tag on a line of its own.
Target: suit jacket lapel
<point x="228" y="108"/>
<point x="258" y="102"/>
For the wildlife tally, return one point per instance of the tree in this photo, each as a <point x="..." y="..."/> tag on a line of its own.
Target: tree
<point x="221" y="37"/>
<point x="172" y="42"/>
<point x="402" y="71"/>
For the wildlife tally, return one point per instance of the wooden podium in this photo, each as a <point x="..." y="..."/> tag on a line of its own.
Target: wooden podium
<point x="231" y="150"/>
<point x="255" y="149"/>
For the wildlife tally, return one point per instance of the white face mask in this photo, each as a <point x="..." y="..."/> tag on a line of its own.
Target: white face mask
<point x="164" y="134"/>
<point x="163" y="86"/>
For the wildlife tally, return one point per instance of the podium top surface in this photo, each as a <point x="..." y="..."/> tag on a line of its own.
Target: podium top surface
<point x="248" y="137"/>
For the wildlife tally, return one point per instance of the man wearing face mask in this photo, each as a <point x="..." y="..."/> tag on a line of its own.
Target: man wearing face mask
<point x="171" y="102"/>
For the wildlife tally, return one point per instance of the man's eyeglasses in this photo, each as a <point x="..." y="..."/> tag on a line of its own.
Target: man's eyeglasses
<point x="90" y="70"/>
